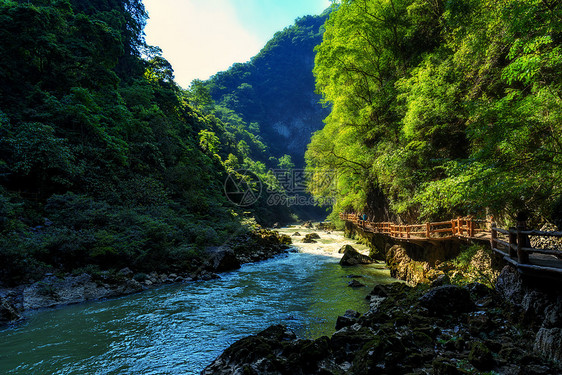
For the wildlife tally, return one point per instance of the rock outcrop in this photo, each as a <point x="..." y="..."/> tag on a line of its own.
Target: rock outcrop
<point x="538" y="306"/>
<point x="352" y="257"/>
<point x="398" y="335"/>
<point x="311" y="238"/>
<point x="54" y="291"/>
<point x="222" y="259"/>
<point x="8" y="313"/>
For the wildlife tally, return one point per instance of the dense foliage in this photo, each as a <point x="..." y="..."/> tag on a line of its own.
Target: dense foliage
<point x="443" y="107"/>
<point x="274" y="92"/>
<point x="104" y="161"/>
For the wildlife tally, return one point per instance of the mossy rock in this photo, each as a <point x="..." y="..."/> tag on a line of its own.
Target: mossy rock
<point x="480" y="356"/>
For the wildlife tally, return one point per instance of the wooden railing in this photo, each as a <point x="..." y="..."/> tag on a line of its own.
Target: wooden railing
<point x="459" y="227"/>
<point x="515" y="243"/>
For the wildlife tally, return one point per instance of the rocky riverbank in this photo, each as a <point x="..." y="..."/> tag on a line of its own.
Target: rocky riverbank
<point x="444" y="329"/>
<point x="63" y="289"/>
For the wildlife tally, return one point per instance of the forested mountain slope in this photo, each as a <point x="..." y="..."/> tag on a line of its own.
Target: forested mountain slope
<point x="442" y="108"/>
<point x="104" y="161"/>
<point x="275" y="90"/>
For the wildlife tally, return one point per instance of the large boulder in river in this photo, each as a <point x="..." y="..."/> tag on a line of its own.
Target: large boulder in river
<point x="222" y="259"/>
<point x="344" y="248"/>
<point x="7" y="312"/>
<point x="311" y="238"/>
<point x="352" y="257"/>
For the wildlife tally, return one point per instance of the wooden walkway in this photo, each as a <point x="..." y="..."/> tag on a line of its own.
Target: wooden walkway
<point x="461" y="227"/>
<point x="513" y="244"/>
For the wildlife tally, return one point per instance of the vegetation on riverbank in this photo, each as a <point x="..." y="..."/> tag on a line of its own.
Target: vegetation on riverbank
<point x="442" y="108"/>
<point x="104" y="161"/>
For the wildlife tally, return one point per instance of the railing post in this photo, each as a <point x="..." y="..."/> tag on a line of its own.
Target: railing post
<point x="493" y="237"/>
<point x="522" y="241"/>
<point x="512" y="242"/>
<point x="427" y="230"/>
<point x="407" y="231"/>
<point x="522" y="256"/>
<point x="459" y="227"/>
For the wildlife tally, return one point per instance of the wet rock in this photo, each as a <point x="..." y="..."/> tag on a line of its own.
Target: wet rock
<point x="310" y="238"/>
<point x="356" y="284"/>
<point x="352" y="257"/>
<point x="348" y="319"/>
<point x="296" y="234"/>
<point x="7" y="312"/>
<point x="446" y="300"/>
<point x="222" y="259"/>
<point x="344" y="248"/>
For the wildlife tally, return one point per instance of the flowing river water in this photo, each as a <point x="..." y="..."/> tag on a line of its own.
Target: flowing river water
<point x="180" y="329"/>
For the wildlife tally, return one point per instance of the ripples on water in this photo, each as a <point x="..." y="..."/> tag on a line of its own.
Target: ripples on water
<point x="180" y="329"/>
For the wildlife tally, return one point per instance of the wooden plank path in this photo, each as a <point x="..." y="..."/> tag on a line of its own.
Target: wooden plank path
<point x="461" y="227"/>
<point x="513" y="244"/>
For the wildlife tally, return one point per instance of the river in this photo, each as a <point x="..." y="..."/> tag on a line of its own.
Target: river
<point x="180" y="329"/>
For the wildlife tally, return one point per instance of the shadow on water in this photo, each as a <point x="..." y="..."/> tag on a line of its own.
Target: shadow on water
<point x="180" y="329"/>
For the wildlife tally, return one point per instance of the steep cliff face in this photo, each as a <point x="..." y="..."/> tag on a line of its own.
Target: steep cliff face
<point x="276" y="89"/>
<point x="538" y="306"/>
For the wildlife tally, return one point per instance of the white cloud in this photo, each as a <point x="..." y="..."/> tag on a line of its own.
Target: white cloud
<point x="202" y="37"/>
<point x="199" y="37"/>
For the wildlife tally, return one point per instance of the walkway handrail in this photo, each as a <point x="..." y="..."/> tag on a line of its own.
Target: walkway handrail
<point x="519" y="245"/>
<point x="465" y="227"/>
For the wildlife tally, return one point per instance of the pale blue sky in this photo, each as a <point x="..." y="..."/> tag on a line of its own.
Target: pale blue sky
<point x="203" y="37"/>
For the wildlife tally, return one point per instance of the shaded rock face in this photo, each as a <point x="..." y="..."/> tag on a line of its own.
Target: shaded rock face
<point x="223" y="259"/>
<point x="8" y="312"/>
<point x="549" y="342"/>
<point x="403" y="267"/>
<point x="53" y="291"/>
<point x="352" y="257"/>
<point x="398" y="336"/>
<point x="538" y="306"/>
